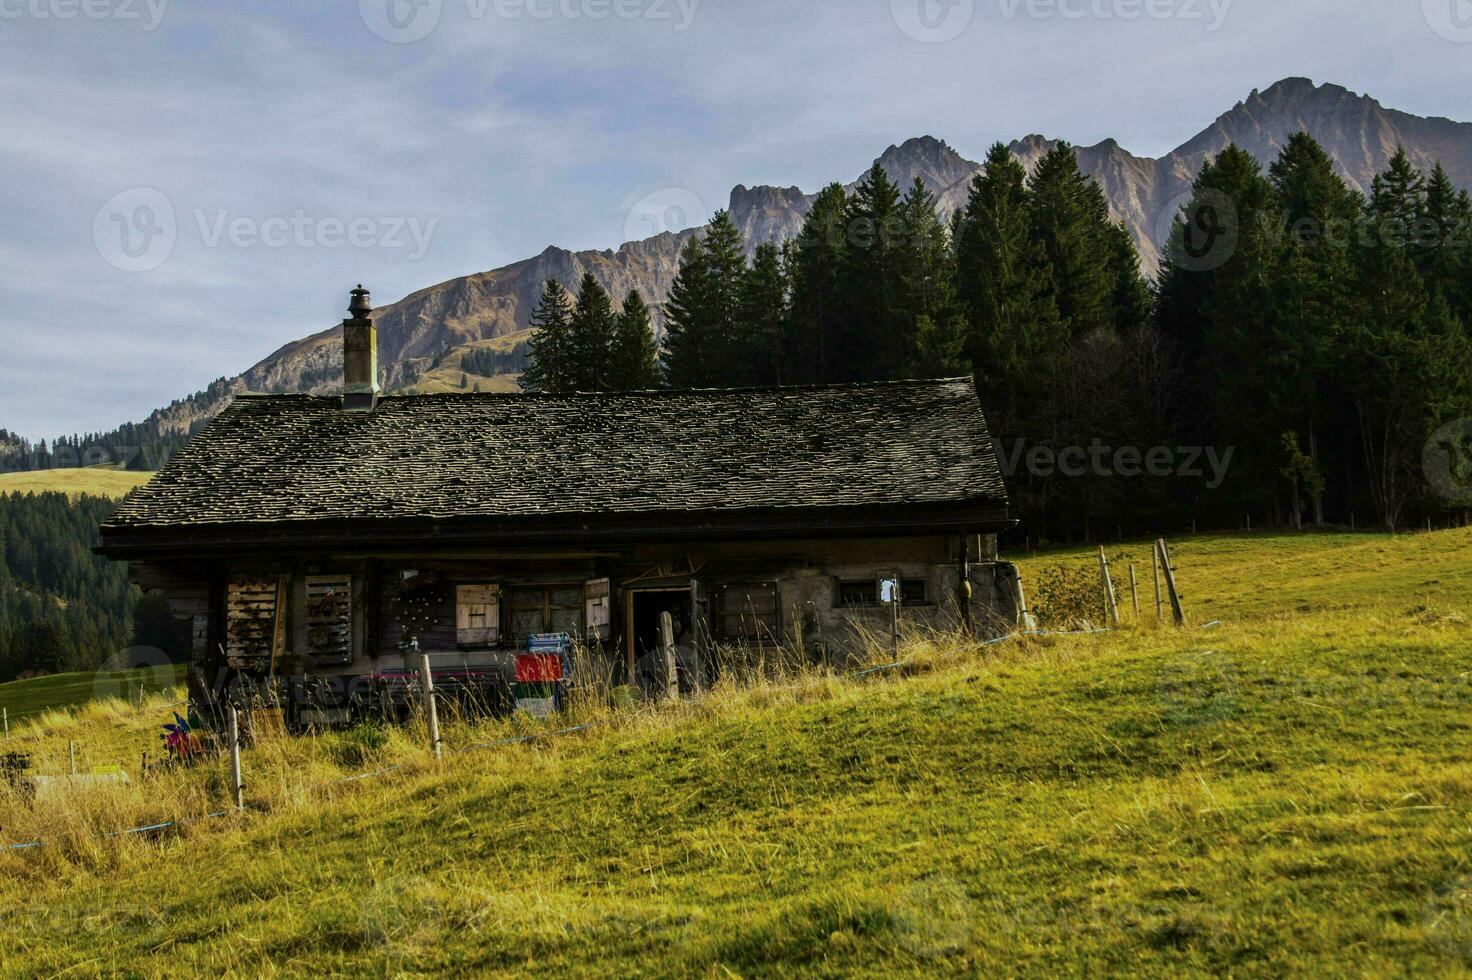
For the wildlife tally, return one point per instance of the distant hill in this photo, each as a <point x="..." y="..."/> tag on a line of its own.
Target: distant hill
<point x="423" y="336"/>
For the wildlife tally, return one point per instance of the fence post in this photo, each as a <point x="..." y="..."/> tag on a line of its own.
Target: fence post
<point x="1155" y="570"/>
<point x="5" y="713"/>
<point x="233" y="727"/>
<point x="667" y="648"/>
<point x="1111" y="608"/>
<point x="71" y="757"/>
<point x="431" y="713"/>
<point x="1134" y="593"/>
<point x="1177" y="613"/>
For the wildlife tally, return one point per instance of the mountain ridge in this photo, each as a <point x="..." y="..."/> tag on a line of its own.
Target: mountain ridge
<point x="422" y="334"/>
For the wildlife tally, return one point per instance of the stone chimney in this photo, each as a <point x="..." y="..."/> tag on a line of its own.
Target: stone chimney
<point x="359" y="355"/>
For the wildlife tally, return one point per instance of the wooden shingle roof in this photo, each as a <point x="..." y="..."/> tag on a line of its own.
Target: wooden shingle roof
<point x="303" y="459"/>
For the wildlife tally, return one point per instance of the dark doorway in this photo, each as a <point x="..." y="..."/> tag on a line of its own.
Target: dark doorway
<point x="646" y="660"/>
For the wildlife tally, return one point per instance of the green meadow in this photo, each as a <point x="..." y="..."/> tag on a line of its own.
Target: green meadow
<point x="1282" y="787"/>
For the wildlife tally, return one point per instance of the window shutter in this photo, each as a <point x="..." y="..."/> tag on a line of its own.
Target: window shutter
<point x="477" y="615"/>
<point x="250" y="622"/>
<point x="597" y="609"/>
<point x="330" y="618"/>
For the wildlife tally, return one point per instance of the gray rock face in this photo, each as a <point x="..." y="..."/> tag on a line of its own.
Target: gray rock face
<point x="1357" y="131"/>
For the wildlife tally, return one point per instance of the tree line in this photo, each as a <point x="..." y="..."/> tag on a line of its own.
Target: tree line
<point x="62" y="608"/>
<point x="1303" y="339"/>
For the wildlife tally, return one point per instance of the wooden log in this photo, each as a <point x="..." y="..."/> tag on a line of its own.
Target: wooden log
<point x="1177" y="613"/>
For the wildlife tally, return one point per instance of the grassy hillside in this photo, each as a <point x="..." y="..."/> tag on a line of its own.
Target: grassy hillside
<point x="100" y="481"/>
<point x="1289" y="791"/>
<point x="35" y="696"/>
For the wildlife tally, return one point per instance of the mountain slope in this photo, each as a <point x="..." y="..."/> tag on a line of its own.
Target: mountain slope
<point x="420" y="331"/>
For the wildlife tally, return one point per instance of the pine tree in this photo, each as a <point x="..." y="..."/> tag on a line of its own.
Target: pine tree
<point x="814" y="348"/>
<point x="634" y="358"/>
<point x="590" y="336"/>
<point x="924" y="288"/>
<point x="551" y="366"/>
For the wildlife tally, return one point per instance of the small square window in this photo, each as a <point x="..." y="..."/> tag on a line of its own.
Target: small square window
<point x="858" y="594"/>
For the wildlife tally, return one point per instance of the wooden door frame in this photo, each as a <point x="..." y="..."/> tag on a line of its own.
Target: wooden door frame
<point x="629" y="653"/>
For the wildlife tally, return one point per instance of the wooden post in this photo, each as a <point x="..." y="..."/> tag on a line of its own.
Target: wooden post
<point x="143" y="766"/>
<point x="1111" y="608"/>
<point x="667" y="649"/>
<point x="894" y="621"/>
<point x="71" y="757"/>
<point x="1134" y="593"/>
<point x="233" y="729"/>
<point x="1177" y="613"/>
<point x="963" y="586"/>
<point x="5" y="714"/>
<point x="1155" y="569"/>
<point x="431" y="712"/>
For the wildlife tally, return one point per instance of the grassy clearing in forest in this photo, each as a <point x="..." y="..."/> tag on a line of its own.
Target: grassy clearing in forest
<point x="1287" y="791"/>
<point x="97" y="481"/>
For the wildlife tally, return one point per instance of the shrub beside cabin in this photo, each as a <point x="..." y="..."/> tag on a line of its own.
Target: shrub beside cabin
<point x="320" y="541"/>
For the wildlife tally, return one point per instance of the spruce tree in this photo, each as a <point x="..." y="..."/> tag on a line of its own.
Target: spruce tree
<point x="550" y="366"/>
<point x="814" y="348"/>
<point x="590" y="336"/>
<point x="868" y="294"/>
<point x="761" y="321"/>
<point x="634" y="359"/>
<point x="688" y="319"/>
<point x="924" y="287"/>
<point x="1070" y="220"/>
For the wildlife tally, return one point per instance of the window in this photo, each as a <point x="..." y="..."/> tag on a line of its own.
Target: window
<point x="864" y="593"/>
<point x="748" y="611"/>
<point x="477" y="615"/>
<point x="545" y="609"/>
<point x="253" y="624"/>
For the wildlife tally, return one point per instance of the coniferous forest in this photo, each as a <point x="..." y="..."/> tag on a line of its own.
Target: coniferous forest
<point x="1300" y="347"/>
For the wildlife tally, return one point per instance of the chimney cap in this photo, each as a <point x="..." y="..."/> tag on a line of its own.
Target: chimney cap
<point x="359" y="306"/>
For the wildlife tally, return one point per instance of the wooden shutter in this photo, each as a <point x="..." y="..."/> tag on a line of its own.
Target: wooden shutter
<point x="250" y="622"/>
<point x="330" y="618"/>
<point x="749" y="612"/>
<point x="596" y="609"/>
<point x="477" y="615"/>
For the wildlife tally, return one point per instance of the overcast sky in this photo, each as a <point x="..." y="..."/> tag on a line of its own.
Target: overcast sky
<point x="185" y="187"/>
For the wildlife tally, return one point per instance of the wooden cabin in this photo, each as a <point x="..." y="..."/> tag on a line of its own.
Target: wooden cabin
<point x="328" y="540"/>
